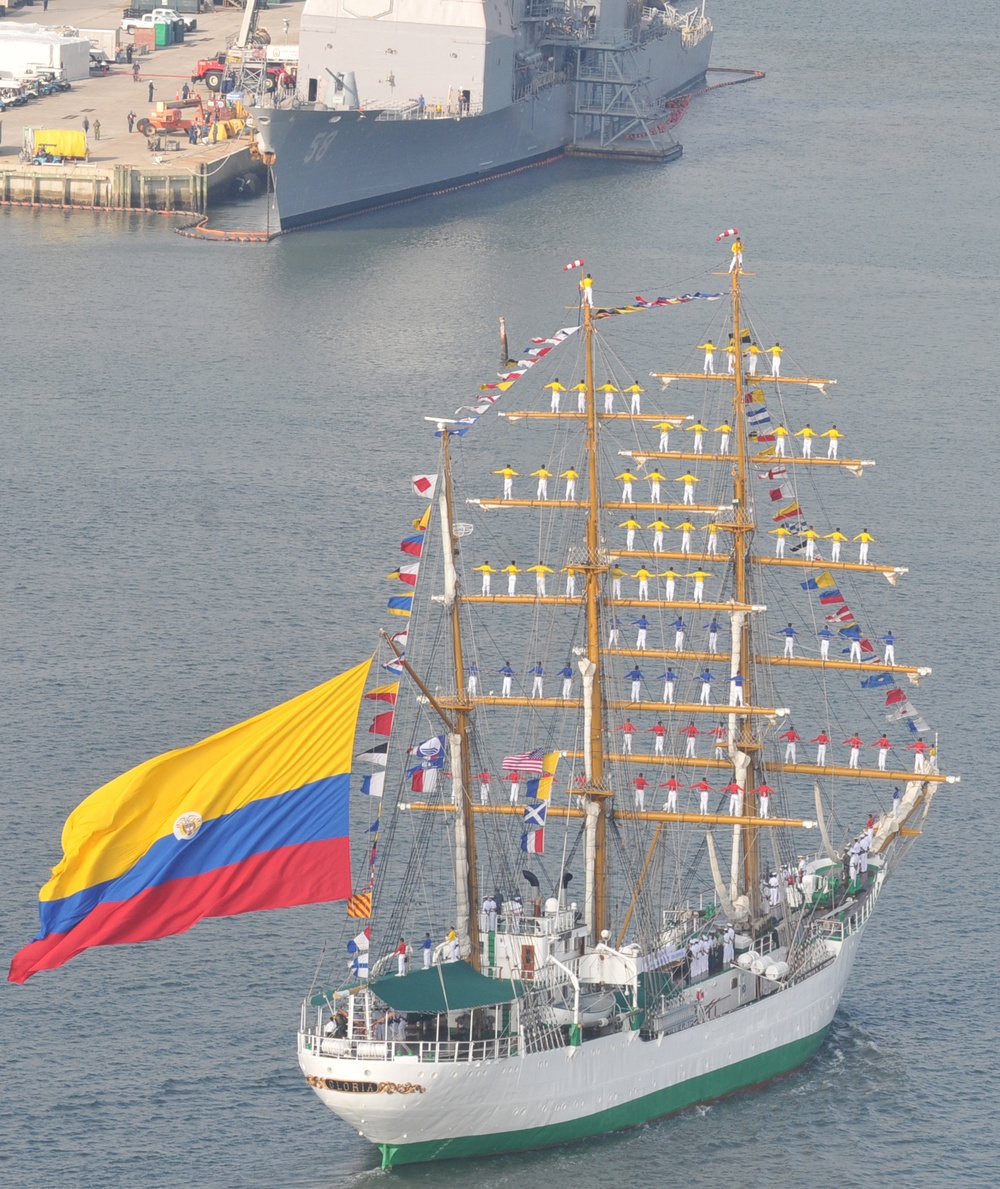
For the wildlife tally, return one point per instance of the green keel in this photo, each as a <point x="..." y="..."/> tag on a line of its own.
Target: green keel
<point x="705" y="1087"/>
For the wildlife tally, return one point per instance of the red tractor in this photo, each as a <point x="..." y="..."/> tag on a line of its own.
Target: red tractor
<point x="171" y="116"/>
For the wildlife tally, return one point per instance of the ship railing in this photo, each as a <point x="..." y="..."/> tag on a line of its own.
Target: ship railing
<point x="559" y="922"/>
<point x="538" y="83"/>
<point x="839" y="923"/>
<point x="439" y="1051"/>
<point x="428" y="110"/>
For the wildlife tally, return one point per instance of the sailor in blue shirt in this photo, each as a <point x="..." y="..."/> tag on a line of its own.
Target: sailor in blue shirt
<point x="825" y="636"/>
<point x="713" y="635"/>
<point x="789" y="633"/>
<point x="566" y="673"/>
<point x="680" y="628"/>
<point x="854" y="635"/>
<point x="508" y="677"/>
<point x="737" y="681"/>
<point x="895" y="801"/>
<point x="636" y="678"/>
<point x="537" y="673"/>
<point x="706" y="679"/>
<point x="614" y="624"/>
<point x="643" y="624"/>
<point x="890" y="647"/>
<point x="473" y="671"/>
<point x="668" y="689"/>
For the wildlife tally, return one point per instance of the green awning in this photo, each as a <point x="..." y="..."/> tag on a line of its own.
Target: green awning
<point x="452" y="986"/>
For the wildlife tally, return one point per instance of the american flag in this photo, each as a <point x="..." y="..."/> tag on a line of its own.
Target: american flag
<point x="530" y="761"/>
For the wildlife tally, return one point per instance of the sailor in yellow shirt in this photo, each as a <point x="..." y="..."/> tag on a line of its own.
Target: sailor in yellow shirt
<point x="834" y="435"/>
<point x="571" y="477"/>
<point x="609" y="391"/>
<point x="838" y="538"/>
<point x="731" y="352"/>
<point x="509" y="475"/>
<point x="571" y="573"/>
<point x="635" y="392"/>
<point x="664" y="427"/>
<point x="581" y="396"/>
<point x="486" y="570"/>
<point x="811" y="537"/>
<point x="587" y="290"/>
<point x="782" y="534"/>
<point x="686" y="529"/>
<point x="751" y="355"/>
<point x="699" y="577"/>
<point x="630" y="525"/>
<point x="712" y="547"/>
<point x="557" y="390"/>
<point x="671" y="577"/>
<point x="654" y="479"/>
<point x="540" y="571"/>
<point x="807" y="433"/>
<point x="697" y="429"/>
<point x="725" y="429"/>
<point x="627" y="479"/>
<point x="543" y="476"/>
<point x="617" y="574"/>
<point x="776" y="353"/>
<point x="780" y="434"/>
<point x="866" y="539"/>
<point x="737" y="260"/>
<point x="512" y="572"/>
<point x="689" y="481"/>
<point x="644" y="576"/>
<point x="709" y="349"/>
<point x="658" y="526"/>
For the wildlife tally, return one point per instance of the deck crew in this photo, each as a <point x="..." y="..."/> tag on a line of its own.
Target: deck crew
<point x="401" y="957"/>
<point x="838" y="539"/>
<point x="776" y="353"/>
<point x="543" y="476"/>
<point x="571" y="477"/>
<point x="540" y="571"/>
<point x="866" y="539"/>
<point x="486" y="570"/>
<point x="427" y="946"/>
<point x="628" y="729"/>
<point x="635" y="392"/>
<point x="807" y="433"/>
<point x="728" y="945"/>
<point x="508" y="676"/>
<point x="821" y="741"/>
<point x="566" y="673"/>
<point x="834" y="435"/>
<point x="773" y="886"/>
<point x="509" y="475"/>
<point x="512" y="572"/>
<point x="709" y="348"/>
<point x="537" y="674"/>
<point x="557" y="390"/>
<point x="856" y="743"/>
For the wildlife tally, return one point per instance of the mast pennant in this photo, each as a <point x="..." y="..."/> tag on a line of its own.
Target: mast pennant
<point x="251" y="818"/>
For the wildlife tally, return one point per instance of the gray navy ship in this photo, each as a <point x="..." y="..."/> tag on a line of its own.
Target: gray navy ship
<point x="399" y="98"/>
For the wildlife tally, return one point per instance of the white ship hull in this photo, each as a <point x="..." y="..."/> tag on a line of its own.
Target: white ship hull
<point x="428" y="1111"/>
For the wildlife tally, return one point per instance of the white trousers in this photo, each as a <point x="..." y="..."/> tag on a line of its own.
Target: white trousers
<point x="752" y="365"/>
<point x="627" y="493"/>
<point x="536" y="687"/>
<point x="713" y="640"/>
<point x="713" y="544"/>
<point x="629" y="538"/>
<point x="515" y="790"/>
<point x="853" y="761"/>
<point x="709" y="364"/>
<point x="779" y="446"/>
<point x="635" y="690"/>
<point x="810" y="549"/>
<point x="654" y="491"/>
<point x="657" y="541"/>
<point x="668" y="696"/>
<point x="664" y="440"/>
<point x="764" y="804"/>
<point x="807" y="447"/>
<point x="484" y="794"/>
<point x="824" y="649"/>
<point x="697" y="443"/>
<point x="555" y="402"/>
<point x="644" y="589"/>
<point x="686" y="541"/>
<point x="508" y="489"/>
<point x="543" y="490"/>
<point x="670" y="589"/>
<point x="640" y="798"/>
<point x="511" y="583"/>
<point x="486" y="584"/>
<point x="724" y="444"/>
<point x="635" y="403"/>
<point x="688" y="493"/>
<point x="737" y="696"/>
<point x="734" y="805"/>
<point x="790" y="646"/>
<point x="706" y="693"/>
<point x="571" y="586"/>
<point x="779" y="547"/>
<point x="616" y="588"/>
<point x="658" y="745"/>
<point x="821" y="755"/>
<point x="689" y="749"/>
<point x="863" y="553"/>
<point x="609" y="402"/>
<point x="890" y="654"/>
<point x="640" y="639"/>
<point x="775" y="365"/>
<point x="567" y="687"/>
<point x="671" y="803"/>
<point x="505" y="690"/>
<point x="473" y="680"/>
<point x="832" y="452"/>
<point x="855" y="649"/>
<point x="699" y="590"/>
<point x="627" y="742"/>
<point x="835" y="551"/>
<point x="678" y="641"/>
<point x="703" y="801"/>
<point x="540" y="584"/>
<point x="789" y="753"/>
<point x="570" y="489"/>
<point x="882" y="753"/>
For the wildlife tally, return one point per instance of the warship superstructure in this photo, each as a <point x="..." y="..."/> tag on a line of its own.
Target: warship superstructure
<point x="399" y="98"/>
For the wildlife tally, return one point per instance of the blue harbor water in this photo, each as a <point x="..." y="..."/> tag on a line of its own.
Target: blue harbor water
<point x="206" y="464"/>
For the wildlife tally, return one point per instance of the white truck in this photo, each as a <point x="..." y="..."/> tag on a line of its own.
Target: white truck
<point x="133" y="20"/>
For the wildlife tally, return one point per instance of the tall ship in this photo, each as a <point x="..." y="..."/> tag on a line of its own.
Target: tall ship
<point x="645" y="711"/>
<point x="399" y="98"/>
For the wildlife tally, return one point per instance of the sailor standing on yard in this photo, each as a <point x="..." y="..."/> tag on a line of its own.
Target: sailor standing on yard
<point x="641" y="784"/>
<point x="789" y="633"/>
<point x="752" y="354"/>
<point x="508" y="676"/>
<point x="654" y="479"/>
<point x="671" y="785"/>
<point x="686" y="528"/>
<point x="669" y="678"/>
<point x="689" y="481"/>
<point x="635" y="392"/>
<point x="713" y="635"/>
<point x="587" y="290"/>
<point x="791" y="738"/>
<point x="709" y="348"/>
<point x="699" y="431"/>
<point x="570" y="572"/>
<point x="737" y="260"/>
<point x="630" y="525"/>
<point x="664" y="427"/>
<point x="643" y="624"/>
<point x="566" y="673"/>
<point x="484" y="787"/>
<point x="735" y="792"/>
<point x="509" y="475"/>
<point x="706" y="680"/>
<point x="825" y="636"/>
<point x="537" y="673"/>
<point x="627" y="479"/>
<point x="725" y="429"/>
<point x="699" y="577"/>
<point x="486" y="570"/>
<point x="866" y="539"/>
<point x="635" y="676"/>
<point x="609" y="391"/>
<point x="627" y="729"/>
<point x="834" y="435"/>
<point x="884" y="746"/>
<point x="692" y="733"/>
<point x="781" y="533"/>
<point x="658" y="732"/>
<point x="838" y="538"/>
<point x="473" y="679"/>
<point x="889" y="640"/>
<point x="775" y="352"/>
<point x="658" y="526"/>
<point x="543" y="476"/>
<point x="581" y="396"/>
<point x="512" y="572"/>
<point x="557" y="390"/>
<point x="680" y="627"/>
<point x="571" y="477"/>
<point x="703" y="788"/>
<point x="644" y="576"/>
<point x="540" y="571"/>
<point x="807" y="433"/>
<point x="856" y="743"/>
<point x="821" y="740"/>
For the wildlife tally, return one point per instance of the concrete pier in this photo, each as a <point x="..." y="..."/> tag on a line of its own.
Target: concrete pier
<point x="122" y="173"/>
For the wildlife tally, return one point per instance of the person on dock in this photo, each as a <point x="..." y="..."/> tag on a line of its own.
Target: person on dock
<point x="627" y="479"/>
<point x="781" y="534"/>
<point x="628" y="729"/>
<point x="776" y="353"/>
<point x="834" y="435"/>
<point x="509" y="475"/>
<point x="692" y="733"/>
<point x="130" y="120"/>
<point x="508" y="677"/>
<point x="635" y="676"/>
<point x="884" y="747"/>
<point x="557" y="390"/>
<point x="838" y="539"/>
<point x="791" y="737"/>
<point x="709" y="348"/>
<point x="571" y="477"/>
<point x="135" y="70"/>
<point x="669" y="679"/>
<point x="659" y="732"/>
<point x="659" y="527"/>
<point x="856" y="743"/>
<point x="512" y="572"/>
<point x="641" y="784"/>
<point x="807" y="433"/>
<point x="889" y="640"/>
<point x="654" y="479"/>
<point x="643" y="625"/>
<point x="566" y="673"/>
<point x="825" y="636"/>
<point x="537" y="674"/>
<point x="644" y="576"/>
<point x="486" y="570"/>
<point x="635" y="395"/>
<point x="865" y="538"/>
<point x="706" y="678"/>
<point x="86" y="125"/>
<point x="671" y="785"/>
<point x="704" y="788"/>
<point x="821" y="741"/>
<point x="97" y="128"/>
<point x="789" y="633"/>
<point x="150" y="92"/>
<point x="689" y="481"/>
<point x="630" y="527"/>
<point x="699" y="431"/>
<point x="543" y="476"/>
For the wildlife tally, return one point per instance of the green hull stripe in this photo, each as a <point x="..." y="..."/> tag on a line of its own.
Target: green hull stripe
<point x="704" y="1088"/>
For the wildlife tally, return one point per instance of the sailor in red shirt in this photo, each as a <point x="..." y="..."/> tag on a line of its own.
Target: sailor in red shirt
<point x="764" y="791"/>
<point x="735" y="792"/>
<point x="790" y="738"/>
<point x="692" y="733"/>
<point x="821" y="740"/>
<point x="856" y="744"/>
<point x="658" y="731"/>
<point x="628" y="730"/>
<point x="641" y="784"/>
<point x="721" y="733"/>
<point x="671" y="785"/>
<point x="400" y="952"/>
<point x="484" y="787"/>
<point x="920" y="759"/>
<point x="703" y="788"/>
<point x="884" y="747"/>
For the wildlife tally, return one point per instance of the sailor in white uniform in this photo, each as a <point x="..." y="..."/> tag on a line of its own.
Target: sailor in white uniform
<point x="728" y="945"/>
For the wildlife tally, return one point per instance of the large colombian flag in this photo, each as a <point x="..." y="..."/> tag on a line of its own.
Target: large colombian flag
<point x="254" y="817"/>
